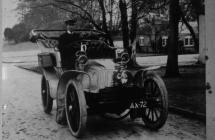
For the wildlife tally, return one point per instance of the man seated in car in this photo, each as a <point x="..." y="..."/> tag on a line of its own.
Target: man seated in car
<point x="66" y="47"/>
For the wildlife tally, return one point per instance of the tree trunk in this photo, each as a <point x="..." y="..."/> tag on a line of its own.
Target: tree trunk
<point x="104" y="23"/>
<point x="129" y="46"/>
<point x="133" y="33"/>
<point x="190" y="28"/>
<point x="124" y="22"/>
<point x="133" y="21"/>
<point x="111" y="15"/>
<point x="172" y="69"/>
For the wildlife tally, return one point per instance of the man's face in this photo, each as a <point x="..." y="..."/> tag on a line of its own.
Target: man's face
<point x="69" y="27"/>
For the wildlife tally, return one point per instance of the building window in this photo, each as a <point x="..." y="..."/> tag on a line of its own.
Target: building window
<point x="188" y="41"/>
<point x="164" y="41"/>
<point x="191" y="41"/>
<point x="141" y="41"/>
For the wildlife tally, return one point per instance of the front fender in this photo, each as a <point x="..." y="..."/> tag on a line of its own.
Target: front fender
<point x="77" y="76"/>
<point x="142" y="75"/>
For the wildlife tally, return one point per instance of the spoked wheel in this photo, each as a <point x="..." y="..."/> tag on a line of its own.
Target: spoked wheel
<point x="156" y="111"/>
<point x="47" y="100"/>
<point x="76" y="112"/>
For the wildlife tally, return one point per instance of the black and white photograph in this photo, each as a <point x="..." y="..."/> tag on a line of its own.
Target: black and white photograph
<point x="107" y="69"/>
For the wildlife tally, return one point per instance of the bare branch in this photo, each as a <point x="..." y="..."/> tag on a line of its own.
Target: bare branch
<point x="41" y="6"/>
<point x="77" y="6"/>
<point x="190" y="28"/>
<point x="161" y="6"/>
<point x="90" y="18"/>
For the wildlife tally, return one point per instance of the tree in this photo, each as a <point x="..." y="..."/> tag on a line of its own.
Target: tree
<point x="129" y="23"/>
<point x="36" y="14"/>
<point x="8" y="34"/>
<point x="134" y="20"/>
<point x="124" y="22"/>
<point x="172" y="69"/>
<point x="190" y="11"/>
<point x="129" y="42"/>
<point x="20" y="33"/>
<point x="176" y="13"/>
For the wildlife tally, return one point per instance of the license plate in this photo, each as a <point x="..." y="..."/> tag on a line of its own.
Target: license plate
<point x="141" y="104"/>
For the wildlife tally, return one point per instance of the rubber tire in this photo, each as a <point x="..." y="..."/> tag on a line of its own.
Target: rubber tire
<point x="47" y="100"/>
<point x="164" y="95"/>
<point x="82" y="108"/>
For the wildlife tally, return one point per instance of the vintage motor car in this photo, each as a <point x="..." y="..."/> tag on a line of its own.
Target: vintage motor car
<point x="99" y="83"/>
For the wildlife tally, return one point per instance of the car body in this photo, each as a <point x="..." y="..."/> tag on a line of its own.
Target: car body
<point x="102" y="82"/>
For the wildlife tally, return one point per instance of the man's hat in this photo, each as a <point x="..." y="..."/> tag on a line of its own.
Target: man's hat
<point x="70" y="22"/>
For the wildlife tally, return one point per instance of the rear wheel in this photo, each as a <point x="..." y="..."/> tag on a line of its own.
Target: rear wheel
<point x="156" y="111"/>
<point x="76" y="112"/>
<point x="47" y="100"/>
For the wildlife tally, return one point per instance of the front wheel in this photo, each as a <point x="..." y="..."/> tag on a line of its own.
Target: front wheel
<point x="156" y="111"/>
<point x="76" y="112"/>
<point x="47" y="100"/>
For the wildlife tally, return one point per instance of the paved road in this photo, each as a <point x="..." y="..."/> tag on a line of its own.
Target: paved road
<point x="24" y="119"/>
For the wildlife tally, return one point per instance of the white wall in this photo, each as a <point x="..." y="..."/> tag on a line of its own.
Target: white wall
<point x="0" y="68"/>
<point x="118" y="44"/>
<point x="210" y="67"/>
<point x="202" y="47"/>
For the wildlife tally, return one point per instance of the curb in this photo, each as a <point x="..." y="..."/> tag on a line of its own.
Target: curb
<point x="188" y="113"/>
<point x="35" y="69"/>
